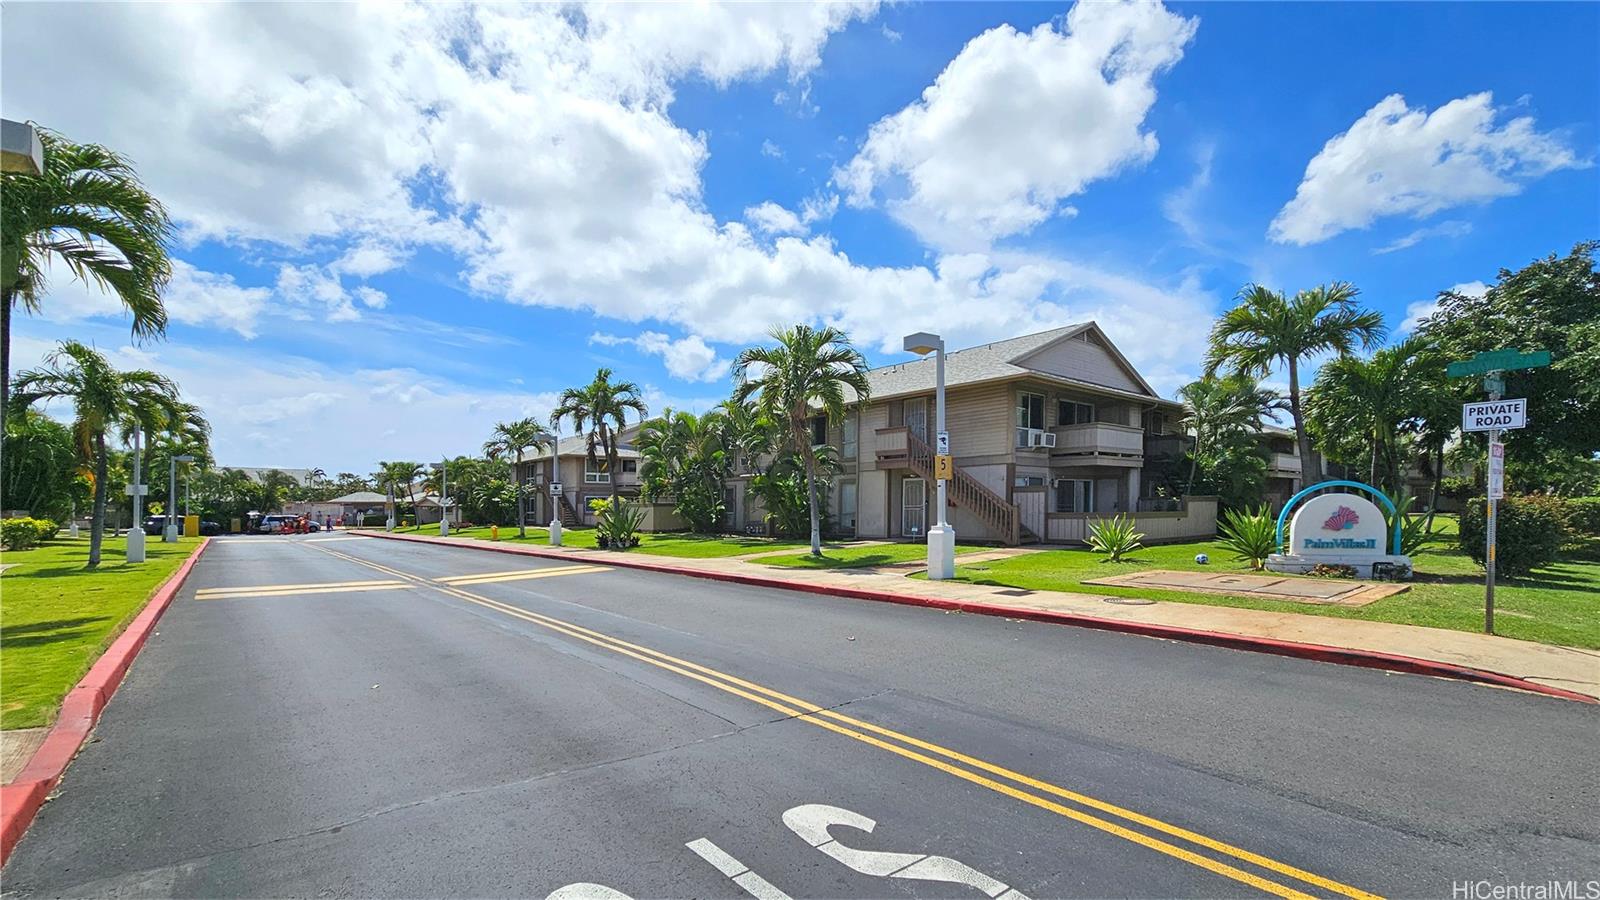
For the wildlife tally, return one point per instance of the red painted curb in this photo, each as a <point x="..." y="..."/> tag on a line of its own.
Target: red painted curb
<point x="20" y="800"/>
<point x="1346" y="656"/>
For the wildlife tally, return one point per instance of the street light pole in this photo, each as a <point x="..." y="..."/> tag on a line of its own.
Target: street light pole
<point x="941" y="537"/>
<point x="136" y="533"/>
<point x="169" y="531"/>
<point x="444" y="493"/>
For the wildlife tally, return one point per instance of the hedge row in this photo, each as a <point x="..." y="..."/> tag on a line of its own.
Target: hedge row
<point x="24" y="534"/>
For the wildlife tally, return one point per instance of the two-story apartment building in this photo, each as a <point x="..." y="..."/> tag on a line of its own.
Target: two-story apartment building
<point x="1048" y="432"/>
<point x="581" y="478"/>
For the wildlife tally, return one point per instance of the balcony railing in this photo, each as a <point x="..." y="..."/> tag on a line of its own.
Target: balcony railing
<point x="1100" y="438"/>
<point x="1285" y="462"/>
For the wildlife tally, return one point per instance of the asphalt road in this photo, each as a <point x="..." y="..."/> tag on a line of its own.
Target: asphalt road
<point x="328" y="716"/>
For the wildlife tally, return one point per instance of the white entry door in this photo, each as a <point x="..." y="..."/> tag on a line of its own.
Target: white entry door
<point x="917" y="418"/>
<point x="914" y="508"/>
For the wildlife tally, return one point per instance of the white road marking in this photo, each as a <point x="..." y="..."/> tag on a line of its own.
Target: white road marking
<point x="519" y="575"/>
<point x="584" y="890"/>
<point x="811" y="823"/>
<point x="753" y="884"/>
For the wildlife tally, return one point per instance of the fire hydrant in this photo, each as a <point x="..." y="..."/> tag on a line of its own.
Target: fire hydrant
<point x="494" y="532"/>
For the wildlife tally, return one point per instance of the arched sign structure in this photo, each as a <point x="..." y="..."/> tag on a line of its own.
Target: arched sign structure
<point x="1377" y="494"/>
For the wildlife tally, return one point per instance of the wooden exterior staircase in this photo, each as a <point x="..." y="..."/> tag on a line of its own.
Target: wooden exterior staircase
<point x="963" y="491"/>
<point x="569" y="513"/>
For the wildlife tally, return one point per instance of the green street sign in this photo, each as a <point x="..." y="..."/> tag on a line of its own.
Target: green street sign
<point x="1498" y="361"/>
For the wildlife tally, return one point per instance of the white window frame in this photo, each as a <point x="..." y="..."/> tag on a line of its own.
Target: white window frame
<point x="1023" y="416"/>
<point x="851" y="443"/>
<point x="595" y="476"/>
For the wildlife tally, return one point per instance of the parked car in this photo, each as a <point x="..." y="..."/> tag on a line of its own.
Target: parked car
<point x="273" y="524"/>
<point x="207" y="529"/>
<point x="154" y="525"/>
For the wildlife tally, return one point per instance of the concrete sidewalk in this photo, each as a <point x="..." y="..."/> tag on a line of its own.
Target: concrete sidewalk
<point x="1563" y="669"/>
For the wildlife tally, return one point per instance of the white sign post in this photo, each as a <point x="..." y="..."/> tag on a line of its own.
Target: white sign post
<point x="1495" y="416"/>
<point x="555" y="513"/>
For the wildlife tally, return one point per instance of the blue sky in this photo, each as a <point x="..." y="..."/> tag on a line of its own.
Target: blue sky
<point x="400" y="225"/>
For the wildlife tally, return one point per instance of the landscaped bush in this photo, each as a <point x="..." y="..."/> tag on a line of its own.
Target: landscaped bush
<point x="616" y="525"/>
<point x="1529" y="534"/>
<point x="47" y="528"/>
<point x="23" y="533"/>
<point x="1583" y="515"/>
<point x="1332" y="570"/>
<point x="1114" y="537"/>
<point x="1252" y="534"/>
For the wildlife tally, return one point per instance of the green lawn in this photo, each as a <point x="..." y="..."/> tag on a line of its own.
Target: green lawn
<point x="682" y="545"/>
<point x="1557" y="605"/>
<point x="57" y="617"/>
<point x="858" y="557"/>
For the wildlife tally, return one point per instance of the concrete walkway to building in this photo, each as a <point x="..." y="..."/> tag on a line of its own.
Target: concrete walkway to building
<point x="1565" y="668"/>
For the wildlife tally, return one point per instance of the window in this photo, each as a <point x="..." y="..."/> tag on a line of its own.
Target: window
<point x="819" y="430"/>
<point x="1029" y="481"/>
<point x="1071" y="412"/>
<point x="630" y="465"/>
<point x="596" y="471"/>
<point x="1074" y="495"/>
<point x="1030" y="418"/>
<point x="850" y="436"/>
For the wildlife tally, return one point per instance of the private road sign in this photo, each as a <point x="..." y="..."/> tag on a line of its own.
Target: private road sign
<point x="1494" y="415"/>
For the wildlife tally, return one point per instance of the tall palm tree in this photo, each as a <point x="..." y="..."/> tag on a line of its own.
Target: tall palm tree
<point x="88" y="210"/>
<point x="316" y="475"/>
<point x="807" y="370"/>
<point x="398" y="476"/>
<point x="103" y="399"/>
<point x="1267" y="329"/>
<point x="1217" y="408"/>
<point x="1370" y="406"/>
<point x="510" y="441"/>
<point x="599" y="411"/>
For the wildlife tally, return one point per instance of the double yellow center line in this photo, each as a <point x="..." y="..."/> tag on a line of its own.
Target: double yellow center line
<point x="1167" y="838"/>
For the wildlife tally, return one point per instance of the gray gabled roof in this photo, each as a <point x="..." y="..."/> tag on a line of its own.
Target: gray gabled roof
<point x="989" y="362"/>
<point x="361" y="497"/>
<point x="578" y="445"/>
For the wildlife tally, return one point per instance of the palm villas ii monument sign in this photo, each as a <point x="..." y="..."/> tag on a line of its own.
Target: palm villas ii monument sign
<point x="1339" y="528"/>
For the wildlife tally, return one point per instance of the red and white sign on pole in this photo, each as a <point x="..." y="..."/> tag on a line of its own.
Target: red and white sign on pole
<point x="1497" y="471"/>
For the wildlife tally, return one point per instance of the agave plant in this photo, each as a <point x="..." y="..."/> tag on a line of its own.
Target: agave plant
<point x="1114" y="537"/>
<point x="1251" y="534"/>
<point x="1414" y="533"/>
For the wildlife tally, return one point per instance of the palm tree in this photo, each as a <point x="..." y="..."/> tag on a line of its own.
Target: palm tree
<point x="1217" y="408"/>
<point x="89" y="210"/>
<point x="809" y="368"/>
<point x="102" y="398"/>
<point x="1267" y="329"/>
<point x="599" y="410"/>
<point x="395" y="476"/>
<point x="510" y="440"/>
<point x="316" y="475"/>
<point x="1369" y="406"/>
<point x="685" y="457"/>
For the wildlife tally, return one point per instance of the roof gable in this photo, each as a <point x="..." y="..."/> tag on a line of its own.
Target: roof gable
<point x="1085" y="354"/>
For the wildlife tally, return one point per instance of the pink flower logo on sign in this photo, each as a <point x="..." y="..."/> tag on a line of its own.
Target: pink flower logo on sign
<point x="1343" y="518"/>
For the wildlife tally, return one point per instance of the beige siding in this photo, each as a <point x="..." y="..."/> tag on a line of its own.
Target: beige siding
<point x="979" y="420"/>
<point x="872" y="512"/>
<point x="1073" y="358"/>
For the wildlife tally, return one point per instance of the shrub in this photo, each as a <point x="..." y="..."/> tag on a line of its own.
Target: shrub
<point x="1332" y="570"/>
<point x="1583" y="515"/>
<point x="1114" y="537"/>
<point x="1252" y="534"/>
<point x="1414" y="533"/>
<point x="19" y="534"/>
<point x="1529" y="534"/>
<point x="617" y="525"/>
<point x="47" y="529"/>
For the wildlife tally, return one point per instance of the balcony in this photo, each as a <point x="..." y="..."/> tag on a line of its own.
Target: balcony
<point x="1284" y="464"/>
<point x="1103" y="442"/>
<point x="892" y="446"/>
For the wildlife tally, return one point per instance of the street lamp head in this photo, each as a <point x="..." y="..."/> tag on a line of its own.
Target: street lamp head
<point x="183" y="458"/>
<point x="922" y="343"/>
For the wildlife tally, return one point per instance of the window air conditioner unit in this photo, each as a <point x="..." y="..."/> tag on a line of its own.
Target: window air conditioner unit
<point x="1044" y="439"/>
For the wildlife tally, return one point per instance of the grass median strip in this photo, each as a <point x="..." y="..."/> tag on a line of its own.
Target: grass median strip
<point x="976" y="771"/>
<point x="58" y="617"/>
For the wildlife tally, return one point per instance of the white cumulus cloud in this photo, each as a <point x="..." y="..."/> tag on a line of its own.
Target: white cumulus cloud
<point x="1019" y="122"/>
<point x="1403" y="160"/>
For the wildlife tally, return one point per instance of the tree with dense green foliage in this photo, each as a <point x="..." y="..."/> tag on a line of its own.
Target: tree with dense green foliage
<point x="399" y="479"/>
<point x="684" y="458"/>
<point x="1550" y="304"/>
<point x="103" y="399"/>
<point x="1530" y="530"/>
<point x="1225" y="414"/>
<point x="510" y="441"/>
<point x="808" y="371"/>
<point x="1267" y="329"/>
<point x="89" y="211"/>
<point x="1362" y="412"/>
<point x="599" y="411"/>
<point x="42" y="471"/>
